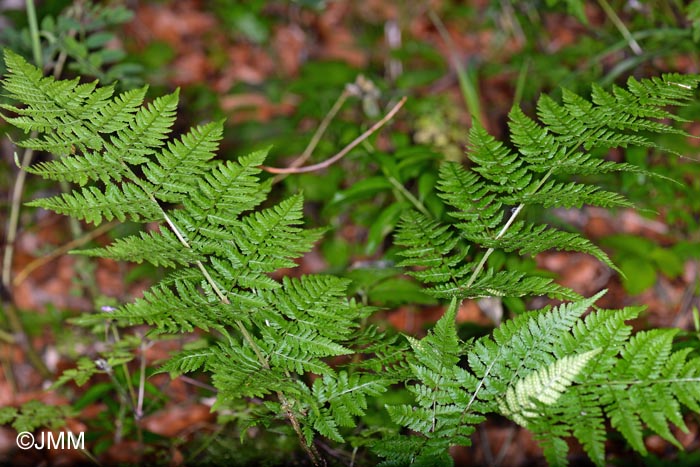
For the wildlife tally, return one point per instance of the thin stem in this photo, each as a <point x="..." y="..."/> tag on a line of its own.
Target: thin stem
<point x="310" y="451"/>
<point x="520" y="83"/>
<point x="317" y="135"/>
<point x="60" y="251"/>
<point x="466" y="84"/>
<point x="199" y="384"/>
<point x="409" y="196"/>
<point x="7" y="369"/>
<point x="142" y="382"/>
<point x="12" y="227"/>
<point x="503" y="230"/>
<point x="127" y="376"/>
<point x="610" y="12"/>
<point x="344" y="151"/>
<point x="24" y="341"/>
<point x="13" y="221"/>
<point x="7" y="338"/>
<point x="34" y="34"/>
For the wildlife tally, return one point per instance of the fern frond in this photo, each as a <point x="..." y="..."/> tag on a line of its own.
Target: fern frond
<point x="188" y="361"/>
<point x="527" y="238"/>
<point x="90" y="166"/>
<point x="118" y="114"/>
<point x="568" y="195"/>
<point x="221" y="195"/>
<point x="180" y="307"/>
<point x="634" y="383"/>
<point x="53" y="106"/>
<point x="432" y="248"/>
<point x="146" y="132"/>
<point x="346" y="395"/>
<point x="298" y="349"/>
<point x="444" y="412"/>
<point x="486" y="200"/>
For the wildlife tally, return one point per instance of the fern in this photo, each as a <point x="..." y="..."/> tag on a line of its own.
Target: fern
<point x="487" y="201"/>
<point x="551" y="371"/>
<point x="297" y="350"/>
<point x="35" y="414"/>
<point x="205" y="226"/>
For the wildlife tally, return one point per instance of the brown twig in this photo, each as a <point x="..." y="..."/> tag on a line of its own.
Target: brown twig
<point x="298" y="162"/>
<point x="344" y="151"/>
<point x="9" y="309"/>
<point x="60" y="251"/>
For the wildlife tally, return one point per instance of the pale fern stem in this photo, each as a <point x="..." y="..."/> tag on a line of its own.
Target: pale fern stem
<point x="301" y="160"/>
<point x="34" y="34"/>
<point x="132" y="395"/>
<point x="481" y="384"/>
<point x="354" y="143"/>
<point x="142" y="381"/>
<point x="610" y="12"/>
<point x="505" y="228"/>
<point x="310" y="451"/>
<point x="409" y="196"/>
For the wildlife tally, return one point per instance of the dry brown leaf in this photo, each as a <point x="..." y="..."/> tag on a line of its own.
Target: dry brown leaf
<point x="175" y="420"/>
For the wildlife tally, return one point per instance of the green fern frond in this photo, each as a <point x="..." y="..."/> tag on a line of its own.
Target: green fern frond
<point x="444" y="413"/>
<point x="90" y="166"/>
<point x="432" y="248"/>
<point x="486" y="201"/>
<point x="179" y="308"/>
<point x="522" y="344"/>
<point x="188" y="361"/>
<point x="36" y="414"/>
<point x="634" y="383"/>
<point x="346" y="395"/>
<point x="568" y="195"/>
<point x="119" y="112"/>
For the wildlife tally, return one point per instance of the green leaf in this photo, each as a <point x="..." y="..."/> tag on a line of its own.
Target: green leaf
<point x="640" y="274"/>
<point x="363" y="189"/>
<point x="383" y="225"/>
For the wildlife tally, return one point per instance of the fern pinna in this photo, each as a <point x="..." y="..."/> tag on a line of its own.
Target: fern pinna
<point x="553" y="371"/>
